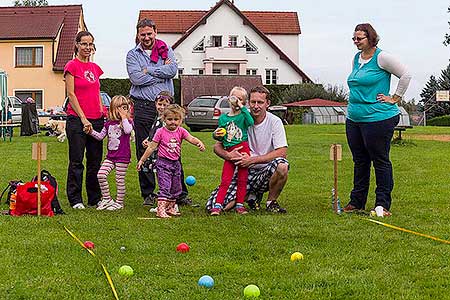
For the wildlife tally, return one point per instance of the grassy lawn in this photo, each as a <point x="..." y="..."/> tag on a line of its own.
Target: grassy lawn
<point x="346" y="257"/>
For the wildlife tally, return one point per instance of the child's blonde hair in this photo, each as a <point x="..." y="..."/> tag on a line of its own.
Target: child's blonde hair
<point x="174" y="109"/>
<point x="242" y="90"/>
<point x="116" y="102"/>
<point x="164" y="96"/>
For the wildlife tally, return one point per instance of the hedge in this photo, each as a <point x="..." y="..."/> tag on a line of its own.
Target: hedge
<point x="439" y="121"/>
<point x="114" y="86"/>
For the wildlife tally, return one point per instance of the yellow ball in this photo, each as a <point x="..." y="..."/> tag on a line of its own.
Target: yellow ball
<point x="221" y="131"/>
<point x="296" y="256"/>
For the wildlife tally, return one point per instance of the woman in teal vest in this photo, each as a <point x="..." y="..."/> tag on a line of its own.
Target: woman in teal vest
<point x="371" y="118"/>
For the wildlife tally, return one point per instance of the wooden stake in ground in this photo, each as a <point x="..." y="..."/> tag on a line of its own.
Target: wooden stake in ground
<point x="39" y="152"/>
<point x="335" y="156"/>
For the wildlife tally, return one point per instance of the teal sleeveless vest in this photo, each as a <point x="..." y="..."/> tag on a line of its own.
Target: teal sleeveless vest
<point x="365" y="84"/>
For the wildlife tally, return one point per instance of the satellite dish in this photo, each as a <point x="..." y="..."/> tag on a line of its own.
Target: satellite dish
<point x="178" y="58"/>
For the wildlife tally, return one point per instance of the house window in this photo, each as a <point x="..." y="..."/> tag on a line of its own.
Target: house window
<point x="217" y="71"/>
<point x="35" y="95"/>
<point x="251" y="71"/>
<point x="232" y="41"/>
<point x="232" y="71"/>
<point x="271" y="76"/>
<point x="216" y="41"/>
<point x="200" y="46"/>
<point x="180" y="72"/>
<point x="29" y="56"/>
<point x="250" y="47"/>
<point x="201" y="71"/>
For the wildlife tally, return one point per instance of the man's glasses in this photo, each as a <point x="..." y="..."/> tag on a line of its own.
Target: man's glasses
<point x="85" y="45"/>
<point x="145" y="34"/>
<point x="359" y="39"/>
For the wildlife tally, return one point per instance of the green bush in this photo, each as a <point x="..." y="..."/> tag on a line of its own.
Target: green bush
<point x="116" y="86"/>
<point x="439" y="121"/>
<point x="276" y="92"/>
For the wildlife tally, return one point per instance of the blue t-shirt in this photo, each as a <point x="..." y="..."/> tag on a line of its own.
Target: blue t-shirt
<point x="365" y="83"/>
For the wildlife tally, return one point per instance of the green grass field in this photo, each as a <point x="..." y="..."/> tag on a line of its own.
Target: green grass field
<point x="346" y="257"/>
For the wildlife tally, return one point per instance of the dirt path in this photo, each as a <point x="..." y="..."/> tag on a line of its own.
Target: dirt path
<point x="430" y="137"/>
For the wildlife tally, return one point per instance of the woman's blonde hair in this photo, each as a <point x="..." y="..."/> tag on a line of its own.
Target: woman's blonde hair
<point x="116" y="102"/>
<point x="174" y="109"/>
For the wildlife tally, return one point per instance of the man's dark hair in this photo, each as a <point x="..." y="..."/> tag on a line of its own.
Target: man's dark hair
<point x="145" y="23"/>
<point x="262" y="90"/>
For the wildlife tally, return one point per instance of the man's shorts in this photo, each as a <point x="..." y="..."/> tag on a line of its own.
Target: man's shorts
<point x="258" y="182"/>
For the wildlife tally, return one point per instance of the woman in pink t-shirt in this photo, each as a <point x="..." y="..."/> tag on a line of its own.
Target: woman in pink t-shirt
<point x="84" y="113"/>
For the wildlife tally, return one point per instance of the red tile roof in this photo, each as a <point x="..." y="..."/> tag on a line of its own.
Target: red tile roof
<point x="314" y="102"/>
<point x="179" y="21"/>
<point x="30" y="16"/>
<point x="172" y="21"/>
<point x="35" y="27"/>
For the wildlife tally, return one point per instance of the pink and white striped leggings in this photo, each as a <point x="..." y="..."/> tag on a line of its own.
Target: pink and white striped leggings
<point x="102" y="175"/>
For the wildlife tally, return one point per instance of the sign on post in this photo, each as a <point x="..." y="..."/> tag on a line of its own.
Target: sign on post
<point x="443" y="96"/>
<point x="336" y="149"/>
<point x="39" y="152"/>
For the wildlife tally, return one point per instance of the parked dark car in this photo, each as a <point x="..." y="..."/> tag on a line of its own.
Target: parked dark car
<point x="106" y="100"/>
<point x="203" y="112"/>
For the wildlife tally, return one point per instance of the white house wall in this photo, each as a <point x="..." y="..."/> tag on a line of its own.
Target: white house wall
<point x="224" y="21"/>
<point x="288" y="43"/>
<point x="169" y="38"/>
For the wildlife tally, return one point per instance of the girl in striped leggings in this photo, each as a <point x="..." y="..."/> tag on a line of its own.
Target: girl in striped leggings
<point x="118" y="129"/>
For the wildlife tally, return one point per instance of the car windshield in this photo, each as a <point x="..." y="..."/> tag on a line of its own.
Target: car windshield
<point x="203" y="102"/>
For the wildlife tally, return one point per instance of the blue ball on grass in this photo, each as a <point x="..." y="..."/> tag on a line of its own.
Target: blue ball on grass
<point x="190" y="180"/>
<point x="206" y="281"/>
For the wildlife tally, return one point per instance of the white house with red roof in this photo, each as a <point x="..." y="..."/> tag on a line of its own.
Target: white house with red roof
<point x="227" y="41"/>
<point x="35" y="45"/>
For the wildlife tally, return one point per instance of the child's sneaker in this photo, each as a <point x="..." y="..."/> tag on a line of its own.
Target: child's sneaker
<point x="216" y="210"/>
<point x="104" y="204"/>
<point x="172" y="209"/>
<point x="115" y="206"/>
<point x="241" y="210"/>
<point x="78" y="206"/>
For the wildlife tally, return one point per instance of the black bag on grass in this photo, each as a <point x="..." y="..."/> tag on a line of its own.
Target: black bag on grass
<point x="46" y="176"/>
<point x="11" y="188"/>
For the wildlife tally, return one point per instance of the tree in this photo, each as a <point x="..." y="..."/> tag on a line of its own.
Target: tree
<point x="30" y="3"/>
<point x="306" y="91"/>
<point x="447" y="36"/>
<point x="428" y="95"/>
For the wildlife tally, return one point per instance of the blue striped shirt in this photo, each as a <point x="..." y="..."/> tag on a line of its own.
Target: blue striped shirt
<point x="159" y="77"/>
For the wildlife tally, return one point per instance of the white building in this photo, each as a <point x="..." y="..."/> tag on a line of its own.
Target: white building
<point x="227" y="41"/>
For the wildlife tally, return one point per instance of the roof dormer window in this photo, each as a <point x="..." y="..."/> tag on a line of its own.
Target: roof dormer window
<point x="200" y="46"/>
<point x="250" y="47"/>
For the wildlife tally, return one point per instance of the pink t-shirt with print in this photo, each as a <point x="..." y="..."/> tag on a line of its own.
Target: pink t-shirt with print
<point x="87" y="87"/>
<point x="170" y="142"/>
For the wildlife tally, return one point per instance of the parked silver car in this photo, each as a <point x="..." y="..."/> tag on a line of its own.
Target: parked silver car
<point x="203" y="112"/>
<point x="15" y="107"/>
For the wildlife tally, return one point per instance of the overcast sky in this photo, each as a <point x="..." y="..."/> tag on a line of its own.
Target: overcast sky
<point x="412" y="30"/>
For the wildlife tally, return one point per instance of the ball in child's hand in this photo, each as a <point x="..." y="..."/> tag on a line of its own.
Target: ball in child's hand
<point x="219" y="133"/>
<point x="190" y="180"/>
<point x="126" y="271"/>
